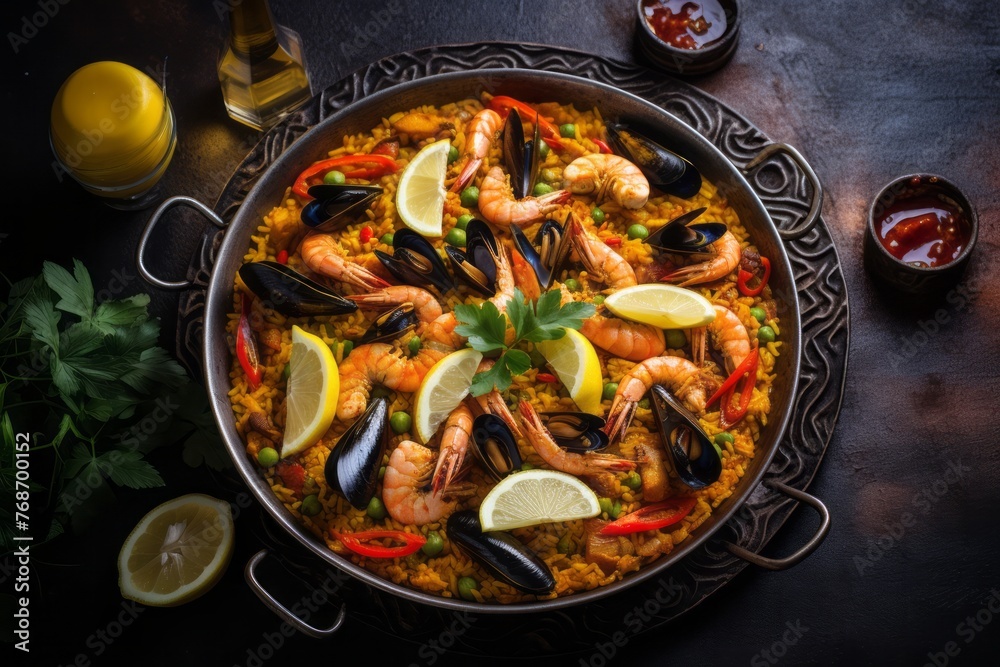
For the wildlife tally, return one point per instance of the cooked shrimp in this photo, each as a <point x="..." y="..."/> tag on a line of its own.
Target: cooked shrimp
<point x="608" y="175"/>
<point x="405" y="493"/>
<point x="425" y="305"/>
<point x="560" y="459"/>
<point x="323" y="255"/>
<point x="497" y="203"/>
<point x="525" y="277"/>
<point x="380" y="363"/>
<point x="492" y="403"/>
<point x="454" y="445"/>
<point x="604" y="264"/>
<point x="729" y="335"/>
<point x="479" y="135"/>
<point x="679" y="375"/>
<point x="727" y="257"/>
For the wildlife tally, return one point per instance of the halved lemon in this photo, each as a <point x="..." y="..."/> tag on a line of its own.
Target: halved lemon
<point x="421" y="192"/>
<point x="313" y="389"/>
<point x="575" y="362"/>
<point x="537" y="496"/>
<point x="177" y="552"/>
<point x="659" y="305"/>
<point x="445" y="385"/>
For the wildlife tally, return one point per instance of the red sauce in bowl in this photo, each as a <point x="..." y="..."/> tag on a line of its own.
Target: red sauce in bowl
<point x="923" y="231"/>
<point x="685" y="24"/>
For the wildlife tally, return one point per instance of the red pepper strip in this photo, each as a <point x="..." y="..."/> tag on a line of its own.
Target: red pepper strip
<point x="545" y="377"/>
<point x="359" y="543"/>
<point x="550" y="133"/>
<point x="282" y="257"/>
<point x="603" y="146"/>
<point x="731" y="415"/>
<point x="741" y="370"/>
<point x="246" y="347"/>
<point x="745" y="276"/>
<point x="651" y="517"/>
<point x="613" y="241"/>
<point x="378" y="165"/>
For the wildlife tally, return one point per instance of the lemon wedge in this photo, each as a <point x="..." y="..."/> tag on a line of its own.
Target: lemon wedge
<point x="575" y="362"/>
<point x="659" y="305"/>
<point x="445" y="385"/>
<point x="177" y="552"/>
<point x="421" y="192"/>
<point x="313" y="389"/>
<point x="537" y="496"/>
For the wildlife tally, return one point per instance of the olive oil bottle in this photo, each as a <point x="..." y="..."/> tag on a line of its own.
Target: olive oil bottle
<point x="262" y="69"/>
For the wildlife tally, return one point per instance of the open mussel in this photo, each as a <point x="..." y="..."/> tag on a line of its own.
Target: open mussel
<point x="391" y="324"/>
<point x="495" y="445"/>
<point x="291" y="293"/>
<point x="576" y="431"/>
<point x="690" y="451"/>
<point x="414" y="261"/>
<point x="353" y="465"/>
<point x="521" y="158"/>
<point x="549" y="252"/>
<point x="677" y="236"/>
<point x="331" y="204"/>
<point x="503" y="555"/>
<point x="476" y="266"/>
<point x="664" y="169"/>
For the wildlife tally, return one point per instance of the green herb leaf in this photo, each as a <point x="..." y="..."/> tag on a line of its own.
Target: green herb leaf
<point x="42" y="320"/>
<point x="76" y="290"/>
<point x="498" y="377"/>
<point x="126" y="312"/>
<point x="484" y="326"/>
<point x="521" y="314"/>
<point x="127" y="468"/>
<point x="517" y="361"/>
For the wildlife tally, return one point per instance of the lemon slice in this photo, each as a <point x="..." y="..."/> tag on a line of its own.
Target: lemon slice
<point x="177" y="552"/>
<point x="574" y="360"/>
<point x="421" y="193"/>
<point x="445" y="385"/>
<point x="659" y="305"/>
<point x="313" y="389"/>
<point x="537" y="496"/>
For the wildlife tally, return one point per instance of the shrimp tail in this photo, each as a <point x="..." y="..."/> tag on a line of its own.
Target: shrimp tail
<point x="468" y="172"/>
<point x="619" y="417"/>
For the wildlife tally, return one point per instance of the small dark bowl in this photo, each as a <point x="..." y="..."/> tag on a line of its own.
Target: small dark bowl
<point x="690" y="62"/>
<point x="905" y="277"/>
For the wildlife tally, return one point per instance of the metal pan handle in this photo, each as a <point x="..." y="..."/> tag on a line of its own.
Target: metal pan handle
<point x="817" y="198"/>
<point x="147" y="232"/>
<point x="250" y="573"/>
<point x="806" y="549"/>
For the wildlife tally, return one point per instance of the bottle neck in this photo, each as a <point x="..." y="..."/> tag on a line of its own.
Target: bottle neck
<point x="252" y="29"/>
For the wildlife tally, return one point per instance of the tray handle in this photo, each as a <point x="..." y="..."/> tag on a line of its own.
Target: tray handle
<point x="806" y="549"/>
<point x="817" y="197"/>
<point x="147" y="232"/>
<point x="250" y="573"/>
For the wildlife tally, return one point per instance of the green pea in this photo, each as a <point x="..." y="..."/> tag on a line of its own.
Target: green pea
<point x="598" y="215"/>
<point x="414" y="345"/>
<point x="616" y="510"/>
<point x="456" y="237"/>
<point x="568" y="131"/>
<point x="718" y="450"/>
<point x="765" y="334"/>
<point x="413" y="561"/>
<point x="267" y="457"/>
<point x="434" y="544"/>
<point x="550" y="176"/>
<point x="310" y="506"/>
<point x="633" y="481"/>
<point x="452" y="154"/>
<point x="541" y="189"/>
<point x="722" y="438"/>
<point x="527" y="466"/>
<point x="610" y="389"/>
<point x="572" y="284"/>
<point x="543" y="150"/>
<point x="387" y="239"/>
<point x="286" y="372"/>
<point x="644" y="404"/>
<point x="381" y="472"/>
<point x="465" y="587"/>
<point x="334" y="178"/>
<point x="470" y="196"/>
<point x="376" y="510"/>
<point x="637" y="232"/>
<point x="348" y="346"/>
<point x="598" y="299"/>
<point x="400" y="422"/>
<point x="565" y="544"/>
<point x="463" y="221"/>
<point x="759" y="314"/>
<point x="675" y="339"/>
<point x="606" y="505"/>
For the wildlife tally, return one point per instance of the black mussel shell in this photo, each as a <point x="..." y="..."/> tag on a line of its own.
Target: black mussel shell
<point x="495" y="446"/>
<point x="531" y="256"/>
<point x="549" y="252"/>
<point x="414" y="261"/>
<point x="503" y="555"/>
<point x="576" y="431"/>
<point x="352" y="467"/>
<point x="391" y="325"/>
<point x="663" y="168"/>
<point x="677" y="236"/>
<point x="291" y="293"/>
<point x="521" y="158"/>
<point x="477" y="265"/>
<point x="690" y="451"/>
<point x="328" y="210"/>
<point x="468" y="272"/>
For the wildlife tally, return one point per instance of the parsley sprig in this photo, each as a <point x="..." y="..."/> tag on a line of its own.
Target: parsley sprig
<point x="486" y="329"/>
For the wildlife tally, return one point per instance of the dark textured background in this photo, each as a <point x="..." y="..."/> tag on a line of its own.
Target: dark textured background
<point x="866" y="91"/>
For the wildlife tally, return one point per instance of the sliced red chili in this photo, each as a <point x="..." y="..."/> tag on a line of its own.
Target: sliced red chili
<point x="603" y="146"/>
<point x="246" y="346"/>
<point x="550" y="133"/>
<point x="745" y="276"/>
<point x="366" y="166"/>
<point x="366" y="543"/>
<point x="741" y="370"/>
<point x="366" y="234"/>
<point x="613" y="241"/>
<point x="747" y="372"/>
<point x="651" y="517"/>
<point x="546" y="377"/>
